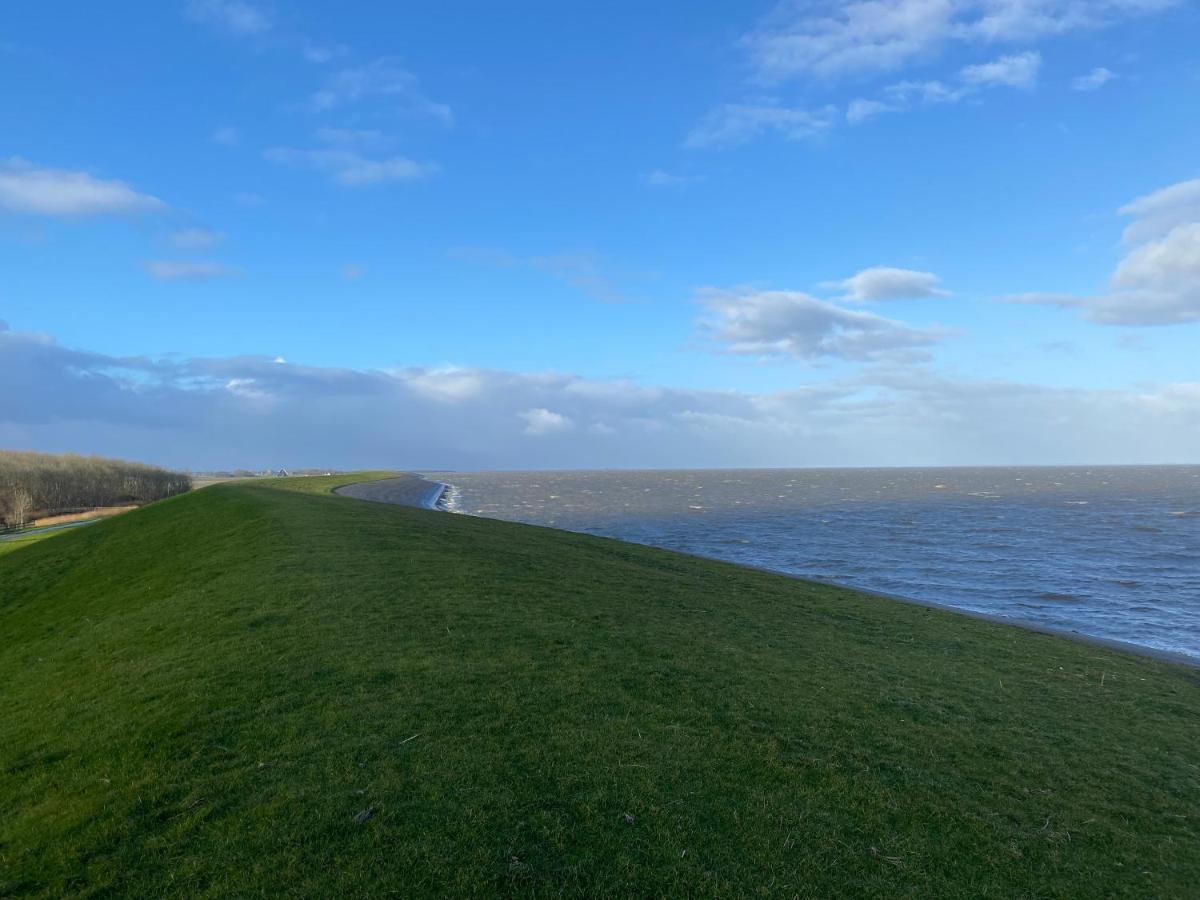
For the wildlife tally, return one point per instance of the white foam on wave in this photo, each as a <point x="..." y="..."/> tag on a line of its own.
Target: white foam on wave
<point x="450" y="499"/>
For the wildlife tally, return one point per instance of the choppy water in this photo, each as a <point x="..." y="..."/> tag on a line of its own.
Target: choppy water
<point x="1107" y="551"/>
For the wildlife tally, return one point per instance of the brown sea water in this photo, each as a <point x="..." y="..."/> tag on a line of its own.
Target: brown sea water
<point x="1107" y="551"/>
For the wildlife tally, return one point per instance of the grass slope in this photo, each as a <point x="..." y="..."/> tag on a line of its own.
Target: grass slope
<point x="201" y="696"/>
<point x="12" y="544"/>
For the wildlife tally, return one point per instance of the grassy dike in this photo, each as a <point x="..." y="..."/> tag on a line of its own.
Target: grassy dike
<point x="24" y="539"/>
<point x="264" y="689"/>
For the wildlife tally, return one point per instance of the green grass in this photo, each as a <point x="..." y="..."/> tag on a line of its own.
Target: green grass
<point x="200" y="696"/>
<point x="31" y="537"/>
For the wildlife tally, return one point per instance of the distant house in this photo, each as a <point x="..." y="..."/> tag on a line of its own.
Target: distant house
<point x="283" y="473"/>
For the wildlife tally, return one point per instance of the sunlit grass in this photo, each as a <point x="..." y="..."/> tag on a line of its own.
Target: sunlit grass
<point x="24" y="539"/>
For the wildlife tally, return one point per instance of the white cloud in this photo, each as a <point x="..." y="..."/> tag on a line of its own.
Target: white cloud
<point x="589" y="273"/>
<point x="226" y="135"/>
<point x="242" y="19"/>
<point x="318" y="53"/>
<point x="663" y="179"/>
<point x="1158" y="280"/>
<point x="353" y="271"/>
<point x="1158" y="213"/>
<point x="349" y="168"/>
<point x="445" y="385"/>
<point x="256" y="411"/>
<point x="234" y="16"/>
<point x="1019" y="70"/>
<point x="585" y="272"/>
<point x="1181" y="398"/>
<point x="541" y="421"/>
<point x="794" y="324"/>
<point x="187" y="270"/>
<point x="384" y="79"/>
<point x="27" y="188"/>
<point x="358" y="172"/>
<point x="1157" y="283"/>
<point x="193" y="238"/>
<point x="861" y="110"/>
<point x="245" y="388"/>
<point x="903" y="94"/>
<point x="822" y="41"/>
<point x="247" y="198"/>
<point x="885" y="283"/>
<point x="1015" y="71"/>
<point x="736" y="123"/>
<point x="1093" y="80"/>
<point x="832" y="39"/>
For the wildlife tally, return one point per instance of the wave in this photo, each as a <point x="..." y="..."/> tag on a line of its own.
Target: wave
<point x="1060" y="597"/>
<point x="449" y="499"/>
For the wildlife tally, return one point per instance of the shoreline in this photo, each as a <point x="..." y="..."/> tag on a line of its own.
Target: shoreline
<point x="1171" y="656"/>
<point x="439" y="500"/>
<point x="402" y="490"/>
<point x="436" y="491"/>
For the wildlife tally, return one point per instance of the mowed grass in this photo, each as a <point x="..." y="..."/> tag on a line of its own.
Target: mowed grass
<point x="12" y="544"/>
<point x="262" y="689"/>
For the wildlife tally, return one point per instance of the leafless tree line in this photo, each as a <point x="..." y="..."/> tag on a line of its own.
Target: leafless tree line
<point x="43" y="484"/>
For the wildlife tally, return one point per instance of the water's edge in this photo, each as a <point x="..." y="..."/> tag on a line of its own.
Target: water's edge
<point x="437" y="495"/>
<point x="403" y="490"/>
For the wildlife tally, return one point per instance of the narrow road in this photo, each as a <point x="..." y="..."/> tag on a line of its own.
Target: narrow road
<point x="47" y="529"/>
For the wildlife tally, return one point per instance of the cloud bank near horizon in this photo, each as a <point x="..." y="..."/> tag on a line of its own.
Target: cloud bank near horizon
<point x="261" y="411"/>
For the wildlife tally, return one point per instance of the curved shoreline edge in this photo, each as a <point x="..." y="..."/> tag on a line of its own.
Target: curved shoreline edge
<point x="415" y="491"/>
<point x="402" y="490"/>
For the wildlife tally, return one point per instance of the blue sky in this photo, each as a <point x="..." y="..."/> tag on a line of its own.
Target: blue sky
<point x="604" y="234"/>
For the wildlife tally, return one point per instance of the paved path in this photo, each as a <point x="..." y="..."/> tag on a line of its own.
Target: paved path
<point x="407" y="490"/>
<point x="33" y="532"/>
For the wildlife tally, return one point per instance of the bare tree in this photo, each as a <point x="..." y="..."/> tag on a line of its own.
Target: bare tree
<point x="21" y="504"/>
<point x="47" y="484"/>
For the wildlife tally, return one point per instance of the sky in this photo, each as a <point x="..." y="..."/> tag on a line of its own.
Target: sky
<point x="262" y="233"/>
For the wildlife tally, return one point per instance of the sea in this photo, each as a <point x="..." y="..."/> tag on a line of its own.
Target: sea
<point x="1112" y="552"/>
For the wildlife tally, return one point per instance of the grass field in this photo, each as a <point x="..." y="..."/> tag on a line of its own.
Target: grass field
<point x="262" y="689"/>
<point x="24" y="539"/>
